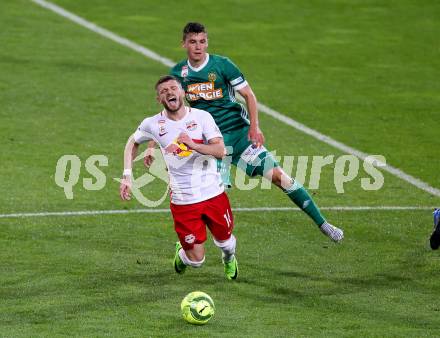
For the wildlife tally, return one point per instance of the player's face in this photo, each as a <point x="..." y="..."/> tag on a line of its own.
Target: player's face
<point x="196" y="45"/>
<point x="170" y="95"/>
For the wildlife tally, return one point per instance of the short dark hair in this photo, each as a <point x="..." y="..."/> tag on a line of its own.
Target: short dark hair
<point x="165" y="78"/>
<point x="193" y="27"/>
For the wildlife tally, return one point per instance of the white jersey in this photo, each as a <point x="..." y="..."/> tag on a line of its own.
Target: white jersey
<point x="193" y="176"/>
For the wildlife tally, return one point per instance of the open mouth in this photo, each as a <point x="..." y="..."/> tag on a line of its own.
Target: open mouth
<point x="172" y="99"/>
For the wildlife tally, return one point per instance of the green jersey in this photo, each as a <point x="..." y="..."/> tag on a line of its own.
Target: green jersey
<point x="211" y="87"/>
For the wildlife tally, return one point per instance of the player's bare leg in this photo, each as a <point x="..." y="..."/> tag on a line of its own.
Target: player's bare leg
<point x="299" y="195"/>
<point x="194" y="257"/>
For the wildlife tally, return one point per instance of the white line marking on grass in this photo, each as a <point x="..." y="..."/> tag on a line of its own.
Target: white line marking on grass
<point x="166" y="211"/>
<point x="263" y="108"/>
<point x="106" y="33"/>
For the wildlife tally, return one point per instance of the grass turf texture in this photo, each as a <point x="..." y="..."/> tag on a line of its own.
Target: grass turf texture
<point x="100" y="276"/>
<point x="66" y="90"/>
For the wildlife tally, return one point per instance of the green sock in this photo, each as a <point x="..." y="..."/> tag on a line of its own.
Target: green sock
<point x="299" y="195"/>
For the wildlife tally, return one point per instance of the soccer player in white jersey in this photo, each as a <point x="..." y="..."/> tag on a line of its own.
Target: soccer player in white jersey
<point x="210" y="82"/>
<point x="190" y="142"/>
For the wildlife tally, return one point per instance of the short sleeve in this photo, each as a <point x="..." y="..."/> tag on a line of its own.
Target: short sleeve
<point x="210" y="129"/>
<point x="233" y="75"/>
<point x="143" y="132"/>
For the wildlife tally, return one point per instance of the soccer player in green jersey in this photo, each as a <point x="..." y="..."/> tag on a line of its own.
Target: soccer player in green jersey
<point x="210" y="82"/>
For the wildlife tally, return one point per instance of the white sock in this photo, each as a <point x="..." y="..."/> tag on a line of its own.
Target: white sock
<point x="189" y="262"/>
<point x="228" y="248"/>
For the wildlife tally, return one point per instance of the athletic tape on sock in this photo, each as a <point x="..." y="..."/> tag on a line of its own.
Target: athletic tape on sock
<point x="295" y="186"/>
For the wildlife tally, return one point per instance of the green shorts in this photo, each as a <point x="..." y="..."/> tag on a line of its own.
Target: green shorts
<point x="241" y="153"/>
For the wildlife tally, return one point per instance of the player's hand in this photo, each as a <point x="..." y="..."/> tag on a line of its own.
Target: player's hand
<point x="255" y="135"/>
<point x="125" y="188"/>
<point x="184" y="138"/>
<point x="149" y="158"/>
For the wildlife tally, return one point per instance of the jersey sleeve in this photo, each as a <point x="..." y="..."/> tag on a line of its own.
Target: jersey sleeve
<point x="143" y="132"/>
<point x="210" y="129"/>
<point x="233" y="75"/>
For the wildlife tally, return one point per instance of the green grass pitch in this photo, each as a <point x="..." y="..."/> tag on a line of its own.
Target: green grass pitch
<point x="363" y="72"/>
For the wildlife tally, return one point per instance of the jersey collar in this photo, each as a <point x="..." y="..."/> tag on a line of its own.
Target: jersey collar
<point x="199" y="68"/>
<point x="163" y="113"/>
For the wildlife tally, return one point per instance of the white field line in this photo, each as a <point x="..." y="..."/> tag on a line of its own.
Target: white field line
<point x="263" y="108"/>
<point x="166" y="211"/>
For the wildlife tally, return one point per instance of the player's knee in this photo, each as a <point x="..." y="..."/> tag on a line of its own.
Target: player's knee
<point x="195" y="257"/>
<point x="227" y="245"/>
<point x="275" y="176"/>
<point x="278" y="177"/>
<point x="196" y="263"/>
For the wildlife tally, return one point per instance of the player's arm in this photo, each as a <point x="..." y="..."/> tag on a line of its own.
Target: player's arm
<point x="237" y="81"/>
<point x="149" y="158"/>
<point x="255" y="134"/>
<point x="215" y="146"/>
<point x="141" y="135"/>
<point x="130" y="152"/>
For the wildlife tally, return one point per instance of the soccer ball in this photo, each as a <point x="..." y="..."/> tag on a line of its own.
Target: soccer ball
<point x="197" y="308"/>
